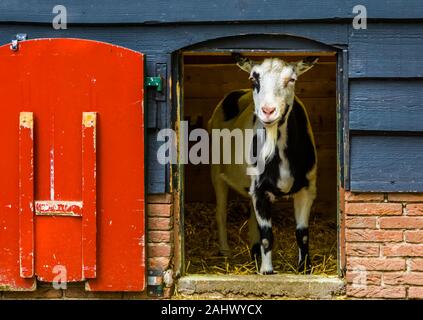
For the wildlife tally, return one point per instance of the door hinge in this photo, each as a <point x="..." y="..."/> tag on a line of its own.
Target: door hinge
<point x="14" y="46"/>
<point x="155" y="283"/>
<point x="155" y="82"/>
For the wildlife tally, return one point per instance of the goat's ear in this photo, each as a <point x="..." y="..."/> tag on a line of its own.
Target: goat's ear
<point x="305" y="64"/>
<point x="243" y="62"/>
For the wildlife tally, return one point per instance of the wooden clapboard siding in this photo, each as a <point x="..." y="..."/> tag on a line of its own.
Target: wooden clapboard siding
<point x="205" y="85"/>
<point x="133" y="11"/>
<point x="385" y="163"/>
<point x="169" y="38"/>
<point x="386" y="105"/>
<point x="386" y="50"/>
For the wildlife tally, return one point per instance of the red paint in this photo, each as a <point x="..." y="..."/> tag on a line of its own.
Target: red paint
<point x="26" y="195"/>
<point x="99" y="165"/>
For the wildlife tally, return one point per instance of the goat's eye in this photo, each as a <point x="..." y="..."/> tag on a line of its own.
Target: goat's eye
<point x="292" y="80"/>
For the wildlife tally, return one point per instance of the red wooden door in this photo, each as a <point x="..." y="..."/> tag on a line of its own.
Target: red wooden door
<point x="72" y="165"/>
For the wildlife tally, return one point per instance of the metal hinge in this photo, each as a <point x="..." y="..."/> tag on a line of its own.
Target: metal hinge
<point x="155" y="283"/>
<point x="15" y="42"/>
<point x="154" y="82"/>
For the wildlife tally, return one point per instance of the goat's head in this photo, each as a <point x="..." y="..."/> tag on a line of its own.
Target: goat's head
<point x="273" y="83"/>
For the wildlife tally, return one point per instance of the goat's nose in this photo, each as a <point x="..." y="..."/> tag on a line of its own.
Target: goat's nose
<point x="268" y="110"/>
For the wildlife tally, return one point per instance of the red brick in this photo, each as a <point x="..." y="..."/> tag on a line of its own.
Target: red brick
<point x="159" y="236"/>
<point x="360" y="222"/>
<point x="351" y="196"/>
<point x="376" y="264"/>
<point x="375" y="209"/>
<point x="160" y="223"/>
<point x="360" y="235"/>
<point x="416" y="264"/>
<point x="159" y="263"/>
<point x="401" y="222"/>
<point x="369" y="278"/>
<point x="414" y="236"/>
<point x="362" y="249"/>
<point x="401" y="278"/>
<point x="159" y="198"/>
<point x="376" y="292"/>
<point x="415" y="292"/>
<point x="159" y="210"/>
<point x="402" y="250"/>
<point x="414" y="209"/>
<point x="405" y="197"/>
<point x="159" y="250"/>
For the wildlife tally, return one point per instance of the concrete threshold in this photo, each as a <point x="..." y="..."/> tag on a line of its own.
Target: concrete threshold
<point x="267" y="287"/>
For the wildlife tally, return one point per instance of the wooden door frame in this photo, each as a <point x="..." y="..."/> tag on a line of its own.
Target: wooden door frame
<point x="178" y="172"/>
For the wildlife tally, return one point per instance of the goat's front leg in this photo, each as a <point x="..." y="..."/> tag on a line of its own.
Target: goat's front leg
<point x="221" y="191"/>
<point x="303" y="201"/>
<point x="254" y="235"/>
<point x="262" y="205"/>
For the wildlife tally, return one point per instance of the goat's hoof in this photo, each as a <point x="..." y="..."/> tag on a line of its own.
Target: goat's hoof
<point x="304" y="267"/>
<point x="255" y="251"/>
<point x="266" y="273"/>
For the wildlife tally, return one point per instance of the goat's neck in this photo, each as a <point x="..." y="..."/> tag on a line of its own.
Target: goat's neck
<point x="272" y="136"/>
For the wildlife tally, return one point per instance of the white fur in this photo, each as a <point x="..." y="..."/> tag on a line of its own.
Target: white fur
<point x="266" y="261"/>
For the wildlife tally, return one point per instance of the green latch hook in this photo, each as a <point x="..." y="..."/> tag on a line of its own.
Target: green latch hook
<point x="155" y="82"/>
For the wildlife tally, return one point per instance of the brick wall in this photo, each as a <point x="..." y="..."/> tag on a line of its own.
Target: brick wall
<point x="159" y="254"/>
<point x="384" y="245"/>
<point x="160" y="236"/>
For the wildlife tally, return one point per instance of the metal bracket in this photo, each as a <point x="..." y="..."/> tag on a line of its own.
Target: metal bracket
<point x="155" y="82"/>
<point x="15" y="42"/>
<point x="155" y="283"/>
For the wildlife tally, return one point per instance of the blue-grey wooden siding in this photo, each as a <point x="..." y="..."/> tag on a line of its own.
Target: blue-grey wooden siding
<point x="385" y="64"/>
<point x="387" y="163"/>
<point x="174" y="11"/>
<point x="386" y="105"/>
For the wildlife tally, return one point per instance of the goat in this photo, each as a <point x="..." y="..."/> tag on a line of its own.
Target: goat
<point x="289" y="153"/>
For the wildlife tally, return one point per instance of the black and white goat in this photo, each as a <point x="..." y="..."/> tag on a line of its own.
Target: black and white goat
<point x="289" y="153"/>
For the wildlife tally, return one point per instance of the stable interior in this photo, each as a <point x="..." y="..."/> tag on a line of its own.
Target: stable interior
<point x="207" y="78"/>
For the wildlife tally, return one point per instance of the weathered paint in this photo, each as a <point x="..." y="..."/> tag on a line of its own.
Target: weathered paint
<point x="75" y="199"/>
<point x="26" y="195"/>
<point x="57" y="207"/>
<point x="89" y="194"/>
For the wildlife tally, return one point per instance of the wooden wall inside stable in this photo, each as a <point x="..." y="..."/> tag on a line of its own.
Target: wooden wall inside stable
<point x="205" y="84"/>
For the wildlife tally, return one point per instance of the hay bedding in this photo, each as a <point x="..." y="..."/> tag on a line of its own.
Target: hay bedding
<point x="202" y="251"/>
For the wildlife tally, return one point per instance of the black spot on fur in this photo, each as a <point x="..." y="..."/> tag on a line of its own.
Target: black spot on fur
<point x="255" y="251"/>
<point x="255" y="81"/>
<point x="304" y="259"/>
<point x="230" y="105"/>
<point x="268" y="180"/>
<point x="300" y="150"/>
<point x="266" y="236"/>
